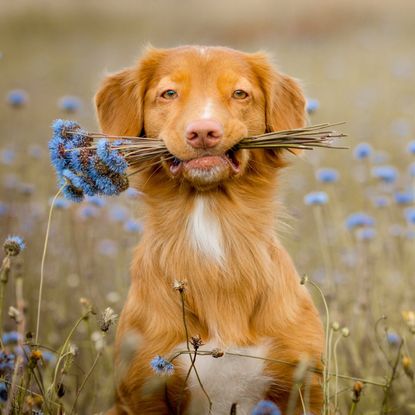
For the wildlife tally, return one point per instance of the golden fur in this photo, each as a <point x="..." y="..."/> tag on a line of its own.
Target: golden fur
<point x="254" y="295"/>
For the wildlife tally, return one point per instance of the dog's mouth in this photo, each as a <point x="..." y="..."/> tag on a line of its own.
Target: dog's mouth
<point x="206" y="163"/>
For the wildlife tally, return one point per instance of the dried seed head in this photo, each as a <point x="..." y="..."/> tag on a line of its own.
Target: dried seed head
<point x="36" y="355"/>
<point x="60" y="389"/>
<point x="13" y="245"/>
<point x="304" y="280"/>
<point x="180" y="285"/>
<point x="335" y="326"/>
<point x="407" y="367"/>
<point x="108" y="318"/>
<point x="357" y="391"/>
<point x="196" y="342"/>
<point x="14" y="314"/>
<point x="345" y="332"/>
<point x="217" y="353"/>
<point x="73" y="349"/>
<point x="301" y="369"/>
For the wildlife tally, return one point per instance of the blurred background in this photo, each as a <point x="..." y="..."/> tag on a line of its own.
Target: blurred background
<point x="356" y="62"/>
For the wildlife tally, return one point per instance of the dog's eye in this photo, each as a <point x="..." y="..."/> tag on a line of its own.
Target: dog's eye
<point x="169" y="94"/>
<point x="239" y="94"/>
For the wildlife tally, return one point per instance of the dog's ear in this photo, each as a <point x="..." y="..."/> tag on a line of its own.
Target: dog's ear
<point x="284" y="98"/>
<point x="119" y="101"/>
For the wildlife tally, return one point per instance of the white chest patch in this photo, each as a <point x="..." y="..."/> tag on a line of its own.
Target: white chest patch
<point x="205" y="231"/>
<point x="227" y="380"/>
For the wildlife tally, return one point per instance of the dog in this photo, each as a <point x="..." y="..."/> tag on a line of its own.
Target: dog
<point x="209" y="221"/>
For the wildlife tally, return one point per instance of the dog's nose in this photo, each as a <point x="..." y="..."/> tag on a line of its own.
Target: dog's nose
<point x="204" y="133"/>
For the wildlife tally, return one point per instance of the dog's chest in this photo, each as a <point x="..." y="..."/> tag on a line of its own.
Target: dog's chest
<point x="228" y="380"/>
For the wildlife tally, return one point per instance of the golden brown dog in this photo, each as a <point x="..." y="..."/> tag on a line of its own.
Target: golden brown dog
<point x="209" y="220"/>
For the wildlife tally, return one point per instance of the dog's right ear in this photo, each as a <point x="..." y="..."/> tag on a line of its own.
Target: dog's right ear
<point x="119" y="101"/>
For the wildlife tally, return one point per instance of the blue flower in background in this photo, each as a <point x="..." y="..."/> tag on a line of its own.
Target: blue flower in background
<point x="404" y="198"/>
<point x="316" y="198"/>
<point x="69" y="103"/>
<point x="388" y="174"/>
<point x="61" y="203"/>
<point x="266" y="408"/>
<point x="410" y="215"/>
<point x="3" y="392"/>
<point x="365" y="234"/>
<point x="107" y="247"/>
<point x="111" y="157"/>
<point x="96" y="201"/>
<point x="359" y="219"/>
<point x="8" y="156"/>
<point x="4" y="209"/>
<point x="132" y="193"/>
<point x="10" y="337"/>
<point x="381" y="201"/>
<point x="411" y="147"/>
<point x="393" y="338"/>
<point x="162" y="366"/>
<point x="6" y="362"/>
<point x="133" y="226"/>
<point x="35" y="151"/>
<point x="17" y="98"/>
<point x="49" y="357"/>
<point x="362" y="151"/>
<point x="118" y="213"/>
<point x="327" y="175"/>
<point x="87" y="212"/>
<point x="312" y="105"/>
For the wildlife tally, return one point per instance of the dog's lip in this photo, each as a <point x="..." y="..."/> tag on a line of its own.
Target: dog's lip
<point x="205" y="162"/>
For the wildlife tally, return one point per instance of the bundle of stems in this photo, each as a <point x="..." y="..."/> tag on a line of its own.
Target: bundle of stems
<point x="137" y="150"/>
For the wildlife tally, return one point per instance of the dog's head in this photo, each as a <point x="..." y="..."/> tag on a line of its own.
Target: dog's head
<point x="201" y="101"/>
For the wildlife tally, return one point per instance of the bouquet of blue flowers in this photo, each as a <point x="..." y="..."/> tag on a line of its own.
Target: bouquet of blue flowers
<point x="91" y="164"/>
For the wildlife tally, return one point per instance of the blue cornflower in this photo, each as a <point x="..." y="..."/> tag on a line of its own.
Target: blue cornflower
<point x="107" y="247"/>
<point x="7" y="156"/>
<point x="76" y="186"/>
<point x="118" y="213"/>
<point x="401" y="127"/>
<point x="362" y="151"/>
<point x="404" y="198"/>
<point x="86" y="212"/>
<point x="17" y="98"/>
<point x="61" y="203"/>
<point x="365" y="234"/>
<point x="13" y="245"/>
<point x="316" y="198"/>
<point x="410" y="215"/>
<point x="10" y="337"/>
<point x="3" y="208"/>
<point x="411" y="169"/>
<point x="388" y="174"/>
<point x="69" y="103"/>
<point x="96" y="201"/>
<point x="393" y="338"/>
<point x="132" y="193"/>
<point x="133" y="226"/>
<point x="411" y="147"/>
<point x="6" y="362"/>
<point x="111" y="157"/>
<point x="107" y="182"/>
<point x="312" y="105"/>
<point x="35" y="151"/>
<point x="359" y="219"/>
<point x="48" y="356"/>
<point x="266" y="408"/>
<point x="381" y="201"/>
<point x="3" y="392"/>
<point x="162" y="366"/>
<point x="327" y="175"/>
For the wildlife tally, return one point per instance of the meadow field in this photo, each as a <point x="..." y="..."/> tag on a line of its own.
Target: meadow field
<point x="354" y="238"/>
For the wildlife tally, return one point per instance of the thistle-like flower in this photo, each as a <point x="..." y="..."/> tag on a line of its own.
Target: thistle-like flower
<point x="162" y="366"/>
<point x="13" y="245"/>
<point x="108" y="318"/>
<point x="110" y="156"/>
<point x="179" y="285"/>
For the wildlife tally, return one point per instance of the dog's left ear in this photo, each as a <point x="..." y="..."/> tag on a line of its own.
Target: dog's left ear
<point x="284" y="98"/>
